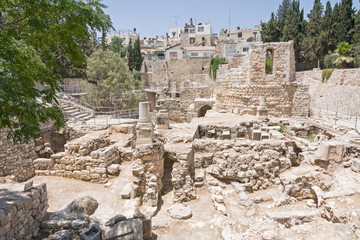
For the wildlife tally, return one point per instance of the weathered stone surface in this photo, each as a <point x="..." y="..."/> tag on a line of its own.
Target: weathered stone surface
<point x="180" y="211"/>
<point x="113" y="169"/>
<point x="84" y="205"/>
<point x="130" y="229"/>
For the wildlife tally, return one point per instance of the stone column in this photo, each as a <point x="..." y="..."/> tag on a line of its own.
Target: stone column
<point x="262" y="110"/>
<point x="144" y="127"/>
<point x="144" y="112"/>
<point x="173" y="89"/>
<point x="162" y="119"/>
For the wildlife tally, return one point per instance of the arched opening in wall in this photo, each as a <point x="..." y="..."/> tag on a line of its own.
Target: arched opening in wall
<point x="269" y="60"/>
<point x="202" y="111"/>
<point x="167" y="176"/>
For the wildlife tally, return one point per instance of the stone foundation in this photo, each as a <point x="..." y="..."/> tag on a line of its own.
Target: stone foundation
<point x="21" y="212"/>
<point x="16" y="160"/>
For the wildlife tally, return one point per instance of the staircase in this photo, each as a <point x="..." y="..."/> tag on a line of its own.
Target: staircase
<point x="73" y="109"/>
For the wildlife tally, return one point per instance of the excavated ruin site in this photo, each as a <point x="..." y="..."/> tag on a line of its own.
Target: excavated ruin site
<point x="244" y="156"/>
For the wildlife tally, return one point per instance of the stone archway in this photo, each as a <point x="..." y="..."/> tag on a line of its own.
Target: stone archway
<point x="202" y="111"/>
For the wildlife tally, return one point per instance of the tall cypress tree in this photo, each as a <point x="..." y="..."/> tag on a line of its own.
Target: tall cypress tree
<point x="356" y="36"/>
<point x="270" y="31"/>
<point x="294" y="27"/>
<point x="138" y="59"/>
<point x="345" y="24"/>
<point x="282" y="13"/>
<point x="327" y="34"/>
<point x="312" y="48"/>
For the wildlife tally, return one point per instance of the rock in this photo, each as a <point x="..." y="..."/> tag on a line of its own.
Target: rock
<point x="180" y="211"/>
<point x="113" y="169"/>
<point x="355" y="164"/>
<point x="61" y="235"/>
<point x="116" y="219"/>
<point x="86" y="205"/>
<point x="269" y="235"/>
<point x="126" y="192"/>
<point x="347" y="164"/>
<point x="131" y="227"/>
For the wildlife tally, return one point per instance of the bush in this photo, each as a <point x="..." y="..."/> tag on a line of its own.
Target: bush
<point x="214" y="66"/>
<point x="282" y="127"/>
<point x="329" y="59"/>
<point x="326" y="74"/>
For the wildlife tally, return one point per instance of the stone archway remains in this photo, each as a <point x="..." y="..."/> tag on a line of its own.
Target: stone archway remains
<point x="202" y="111"/>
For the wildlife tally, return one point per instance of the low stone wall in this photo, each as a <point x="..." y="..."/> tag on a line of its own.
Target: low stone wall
<point x="281" y="100"/>
<point x="341" y="91"/>
<point x="256" y="164"/>
<point x="22" y="212"/>
<point x="16" y="159"/>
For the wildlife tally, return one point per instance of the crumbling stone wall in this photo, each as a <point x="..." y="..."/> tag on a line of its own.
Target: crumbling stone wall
<point x="256" y="164"/>
<point x="16" y="159"/>
<point x="148" y="169"/>
<point x="341" y="91"/>
<point x="243" y="80"/>
<point x="183" y="171"/>
<point x="22" y="212"/>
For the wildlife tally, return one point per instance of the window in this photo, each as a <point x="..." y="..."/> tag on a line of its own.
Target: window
<point x="192" y="40"/>
<point x="192" y="30"/>
<point x="245" y="49"/>
<point x="203" y="44"/>
<point x="203" y="38"/>
<point x="173" y="54"/>
<point x="194" y="54"/>
<point x="200" y="29"/>
<point x="239" y="34"/>
<point x="173" y="33"/>
<point x="269" y="59"/>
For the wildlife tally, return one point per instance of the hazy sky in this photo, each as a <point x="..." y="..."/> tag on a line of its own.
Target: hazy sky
<point x="153" y="17"/>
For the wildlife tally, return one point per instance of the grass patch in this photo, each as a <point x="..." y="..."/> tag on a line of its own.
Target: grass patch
<point x="282" y="127"/>
<point x="326" y="74"/>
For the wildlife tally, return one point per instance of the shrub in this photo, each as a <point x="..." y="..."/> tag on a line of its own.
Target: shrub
<point x="326" y="74"/>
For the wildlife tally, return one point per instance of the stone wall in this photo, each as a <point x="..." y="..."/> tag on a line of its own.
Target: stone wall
<point x="94" y="157"/>
<point x="243" y="80"/>
<point x="16" y="159"/>
<point x="257" y="164"/>
<point x="21" y="212"/>
<point x="160" y="73"/>
<point x="341" y="91"/>
<point x="148" y="169"/>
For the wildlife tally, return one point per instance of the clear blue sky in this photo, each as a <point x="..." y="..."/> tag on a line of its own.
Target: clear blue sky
<point x="153" y="17"/>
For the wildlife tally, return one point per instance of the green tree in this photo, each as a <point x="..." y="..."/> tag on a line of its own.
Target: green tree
<point x="294" y="27"/>
<point x="116" y="45"/>
<point x="356" y="36"/>
<point x="327" y="34"/>
<point x="114" y="84"/>
<point x="343" y="55"/>
<point x="345" y="25"/>
<point x="312" y="47"/>
<point x="270" y="31"/>
<point x="30" y="33"/>
<point x="135" y="59"/>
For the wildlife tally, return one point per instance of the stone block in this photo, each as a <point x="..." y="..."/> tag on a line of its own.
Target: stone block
<point x="256" y="135"/>
<point x="93" y="233"/>
<point x="126" y="191"/>
<point x="113" y="169"/>
<point x="130" y="229"/>
<point x="355" y="164"/>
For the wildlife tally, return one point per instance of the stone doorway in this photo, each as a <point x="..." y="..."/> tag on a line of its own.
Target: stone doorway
<point x="202" y="111"/>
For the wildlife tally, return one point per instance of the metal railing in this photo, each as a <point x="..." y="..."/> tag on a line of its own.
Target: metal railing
<point x="336" y="117"/>
<point x="100" y="114"/>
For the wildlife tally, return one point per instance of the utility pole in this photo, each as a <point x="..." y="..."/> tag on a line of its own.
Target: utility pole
<point x="175" y="20"/>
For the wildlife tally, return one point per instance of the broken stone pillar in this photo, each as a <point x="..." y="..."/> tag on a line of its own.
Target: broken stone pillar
<point x="262" y="110"/>
<point x="144" y="128"/>
<point x="162" y="119"/>
<point x="173" y="89"/>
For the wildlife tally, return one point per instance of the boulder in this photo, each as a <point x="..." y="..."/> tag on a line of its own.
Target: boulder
<point x="180" y="211"/>
<point x="113" y="169"/>
<point x="84" y="205"/>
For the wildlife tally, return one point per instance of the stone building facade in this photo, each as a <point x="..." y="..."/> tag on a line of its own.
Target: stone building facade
<point x="243" y="80"/>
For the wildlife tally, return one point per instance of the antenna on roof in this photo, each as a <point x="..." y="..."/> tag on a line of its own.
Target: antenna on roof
<point x="175" y="20"/>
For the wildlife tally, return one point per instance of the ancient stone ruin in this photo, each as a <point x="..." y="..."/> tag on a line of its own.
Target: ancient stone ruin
<point x="233" y="158"/>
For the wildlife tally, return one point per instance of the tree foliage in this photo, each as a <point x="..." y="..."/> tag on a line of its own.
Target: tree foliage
<point x="114" y="84"/>
<point x="321" y="33"/>
<point x="116" y="45"/>
<point x="135" y="59"/>
<point x="31" y="32"/>
<point x="214" y="65"/>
